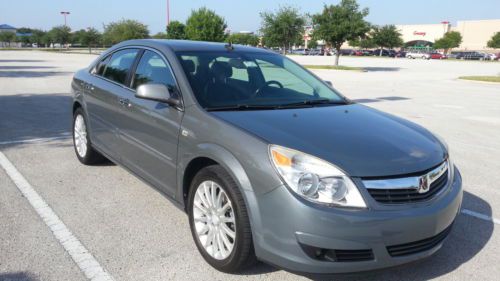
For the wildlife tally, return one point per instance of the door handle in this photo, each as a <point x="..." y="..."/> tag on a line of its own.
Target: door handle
<point x="125" y="102"/>
<point x="87" y="86"/>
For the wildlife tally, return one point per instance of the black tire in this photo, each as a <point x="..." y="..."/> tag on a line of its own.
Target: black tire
<point x="243" y="254"/>
<point x="91" y="157"/>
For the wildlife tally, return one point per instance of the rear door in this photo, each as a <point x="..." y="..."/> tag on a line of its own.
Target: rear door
<point x="150" y="129"/>
<point x="103" y="98"/>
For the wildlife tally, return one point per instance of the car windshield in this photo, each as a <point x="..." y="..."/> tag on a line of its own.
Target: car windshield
<point x="229" y="80"/>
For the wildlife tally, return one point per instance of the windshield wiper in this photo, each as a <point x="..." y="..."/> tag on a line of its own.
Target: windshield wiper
<point x="314" y="102"/>
<point x="241" y="107"/>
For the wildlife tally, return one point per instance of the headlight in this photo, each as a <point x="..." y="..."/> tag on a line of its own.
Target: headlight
<point x="314" y="179"/>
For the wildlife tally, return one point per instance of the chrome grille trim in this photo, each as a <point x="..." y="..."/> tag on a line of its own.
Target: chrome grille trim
<point x="407" y="182"/>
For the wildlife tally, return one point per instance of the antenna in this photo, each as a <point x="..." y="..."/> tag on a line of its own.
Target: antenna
<point x="229" y="46"/>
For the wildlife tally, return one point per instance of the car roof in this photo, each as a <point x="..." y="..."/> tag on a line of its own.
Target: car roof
<point x="187" y="45"/>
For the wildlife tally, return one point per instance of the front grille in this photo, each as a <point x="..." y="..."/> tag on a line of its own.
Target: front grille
<point x="332" y="255"/>
<point x="418" y="246"/>
<point x="408" y="195"/>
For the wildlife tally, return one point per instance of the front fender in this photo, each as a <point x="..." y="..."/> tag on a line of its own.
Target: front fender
<point x="218" y="154"/>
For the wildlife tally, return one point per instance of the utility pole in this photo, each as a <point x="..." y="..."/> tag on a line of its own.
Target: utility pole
<point x="168" y="12"/>
<point x="65" y="14"/>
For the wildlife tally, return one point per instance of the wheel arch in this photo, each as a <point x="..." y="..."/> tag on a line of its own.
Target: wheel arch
<point x="76" y="105"/>
<point x="204" y="155"/>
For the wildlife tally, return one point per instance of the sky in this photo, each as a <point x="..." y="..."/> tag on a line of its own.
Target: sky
<point x="239" y="15"/>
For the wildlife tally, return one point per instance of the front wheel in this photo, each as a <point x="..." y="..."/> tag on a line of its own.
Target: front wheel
<point x="219" y="221"/>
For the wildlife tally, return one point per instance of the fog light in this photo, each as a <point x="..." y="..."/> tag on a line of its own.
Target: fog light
<point x="308" y="185"/>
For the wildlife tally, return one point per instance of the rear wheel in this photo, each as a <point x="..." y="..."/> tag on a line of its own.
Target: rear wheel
<point x="81" y="141"/>
<point x="219" y="220"/>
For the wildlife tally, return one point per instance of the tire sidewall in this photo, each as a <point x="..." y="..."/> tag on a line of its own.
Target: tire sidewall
<point x="209" y="174"/>
<point x="84" y="159"/>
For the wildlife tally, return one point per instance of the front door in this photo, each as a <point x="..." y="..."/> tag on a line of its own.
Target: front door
<point x="150" y="129"/>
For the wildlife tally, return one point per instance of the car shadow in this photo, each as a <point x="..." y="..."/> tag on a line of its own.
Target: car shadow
<point x="467" y="238"/>
<point x="18" y="276"/>
<point x="21" y="60"/>
<point x="32" y="74"/>
<point x="21" y="67"/>
<point x="381" y="69"/>
<point x="380" y="99"/>
<point x="28" y="117"/>
<point x="34" y="116"/>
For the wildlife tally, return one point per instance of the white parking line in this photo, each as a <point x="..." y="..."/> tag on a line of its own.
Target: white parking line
<point x="38" y="140"/>
<point x="480" y="216"/>
<point x="80" y="255"/>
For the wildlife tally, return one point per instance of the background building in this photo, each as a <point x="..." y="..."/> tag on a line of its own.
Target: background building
<point x="475" y="33"/>
<point x="7" y="28"/>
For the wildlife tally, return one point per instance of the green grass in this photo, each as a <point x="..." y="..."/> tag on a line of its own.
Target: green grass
<point x="334" y="67"/>
<point x="481" y="78"/>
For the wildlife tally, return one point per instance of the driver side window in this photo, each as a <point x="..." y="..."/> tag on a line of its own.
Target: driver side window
<point x="152" y="69"/>
<point x="273" y="72"/>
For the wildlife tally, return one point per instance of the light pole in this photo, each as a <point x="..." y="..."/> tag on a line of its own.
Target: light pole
<point x="168" y="12"/>
<point x="65" y="14"/>
<point x="445" y="26"/>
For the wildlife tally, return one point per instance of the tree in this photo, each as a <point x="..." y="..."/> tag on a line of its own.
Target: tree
<point x="243" y="39"/>
<point x="387" y="36"/>
<point x="24" y="35"/>
<point x="449" y="41"/>
<point x="91" y="37"/>
<point x="160" y="35"/>
<point x="37" y="36"/>
<point x="116" y="32"/>
<point x="340" y="23"/>
<point x="363" y="43"/>
<point x="283" y="27"/>
<point x="205" y="25"/>
<point x="176" y="30"/>
<point x="312" y="44"/>
<point x="7" y="37"/>
<point x="60" y="34"/>
<point x="495" y="41"/>
<point x="77" y="36"/>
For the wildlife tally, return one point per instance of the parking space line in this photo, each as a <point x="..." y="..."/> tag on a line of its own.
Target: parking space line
<point x="80" y="255"/>
<point x="37" y="140"/>
<point x="480" y="216"/>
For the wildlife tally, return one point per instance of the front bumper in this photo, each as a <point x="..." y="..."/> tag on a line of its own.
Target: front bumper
<point x="283" y="224"/>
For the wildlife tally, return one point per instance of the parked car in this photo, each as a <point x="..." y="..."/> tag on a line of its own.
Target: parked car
<point x="400" y="54"/>
<point x="385" y="53"/>
<point x="438" y="56"/>
<point x="269" y="162"/>
<point x="454" y="55"/>
<point x="303" y="52"/>
<point x="346" y="52"/>
<point x="316" y="52"/>
<point x="418" y="55"/>
<point x="491" y="56"/>
<point x="471" y="56"/>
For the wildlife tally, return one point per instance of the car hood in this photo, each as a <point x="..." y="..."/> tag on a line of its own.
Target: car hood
<point x="362" y="141"/>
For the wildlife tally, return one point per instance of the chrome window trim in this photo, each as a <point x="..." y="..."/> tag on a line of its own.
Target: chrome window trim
<point x="407" y="182"/>
<point x="139" y="48"/>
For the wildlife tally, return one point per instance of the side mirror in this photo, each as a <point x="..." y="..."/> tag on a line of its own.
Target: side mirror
<point x="329" y="83"/>
<point x="157" y="92"/>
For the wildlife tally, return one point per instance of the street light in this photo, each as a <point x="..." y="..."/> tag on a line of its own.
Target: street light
<point x="445" y="25"/>
<point x="65" y="14"/>
<point x="168" y="12"/>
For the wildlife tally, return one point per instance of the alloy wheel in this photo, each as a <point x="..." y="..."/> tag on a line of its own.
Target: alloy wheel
<point x="214" y="220"/>
<point x="80" y="136"/>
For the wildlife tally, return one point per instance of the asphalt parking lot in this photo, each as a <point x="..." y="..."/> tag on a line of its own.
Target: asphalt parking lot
<point x="134" y="233"/>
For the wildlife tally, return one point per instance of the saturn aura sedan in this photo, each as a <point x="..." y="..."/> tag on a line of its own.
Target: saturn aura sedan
<point x="270" y="162"/>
